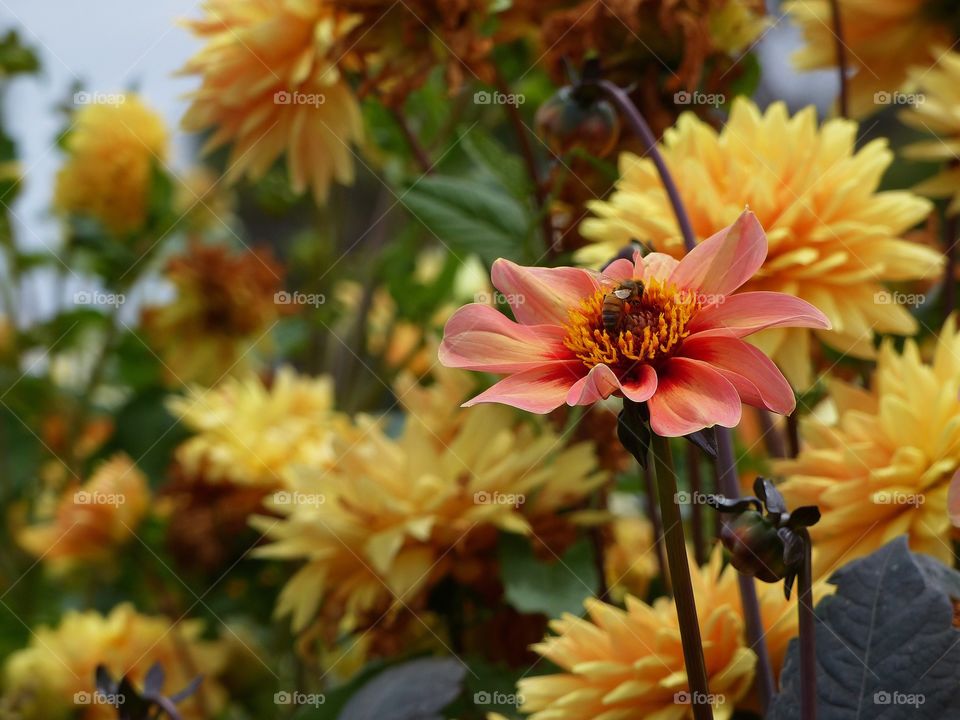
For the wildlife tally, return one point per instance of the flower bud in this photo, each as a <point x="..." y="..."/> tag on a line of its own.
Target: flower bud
<point x="567" y="121"/>
<point x="756" y="547"/>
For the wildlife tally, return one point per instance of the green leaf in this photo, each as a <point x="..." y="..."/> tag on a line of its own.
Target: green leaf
<point x="470" y="217"/>
<point x="497" y="162"/>
<point x="553" y="588"/>
<point x="886" y="644"/>
<point x="415" y="690"/>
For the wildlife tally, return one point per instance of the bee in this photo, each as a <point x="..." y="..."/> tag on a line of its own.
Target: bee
<point x="614" y="301"/>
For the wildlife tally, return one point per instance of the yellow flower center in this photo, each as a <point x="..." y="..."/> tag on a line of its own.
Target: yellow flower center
<point x="647" y="328"/>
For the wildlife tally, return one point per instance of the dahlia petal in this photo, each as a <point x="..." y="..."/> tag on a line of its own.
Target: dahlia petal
<point x="692" y="396"/>
<point x="655" y="266"/>
<point x="542" y="295"/>
<point x="538" y="390"/>
<point x="753" y="374"/>
<point x="953" y="500"/>
<point x="601" y="382"/>
<point x="749" y="312"/>
<point x="722" y="263"/>
<point x="478" y="337"/>
<point x="621" y="269"/>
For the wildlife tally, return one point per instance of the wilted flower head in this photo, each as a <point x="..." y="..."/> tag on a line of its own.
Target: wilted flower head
<point x="883" y="39"/>
<point x="52" y="676"/>
<point x="225" y="306"/>
<point x="629" y="663"/>
<point x="91" y="521"/>
<point x="248" y="432"/>
<point x="833" y="237"/>
<point x="271" y="86"/>
<point x="112" y="152"/>
<point x="394" y="516"/>
<point x="654" y="330"/>
<point x="883" y="468"/>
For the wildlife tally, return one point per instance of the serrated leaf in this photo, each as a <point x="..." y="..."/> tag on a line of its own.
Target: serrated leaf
<point x="470" y="217"/>
<point x="886" y="645"/>
<point x="533" y="585"/>
<point x="500" y="164"/>
<point x="415" y="690"/>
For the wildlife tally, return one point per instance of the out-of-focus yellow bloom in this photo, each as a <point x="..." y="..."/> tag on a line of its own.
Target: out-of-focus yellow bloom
<point x="225" y="306"/>
<point x="112" y="152"/>
<point x="91" y="521"/>
<point x="271" y="86"/>
<point x="883" y="469"/>
<point x="251" y="433"/>
<point x="60" y="662"/>
<point x="883" y="39"/>
<point x="939" y="115"/>
<point x="833" y="237"/>
<point x="202" y="201"/>
<point x="393" y="516"/>
<point x="629" y="663"/>
<point x="631" y="558"/>
<point x="735" y="24"/>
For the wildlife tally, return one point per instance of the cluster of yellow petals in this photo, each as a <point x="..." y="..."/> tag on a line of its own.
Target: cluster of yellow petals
<point x="882" y="466"/>
<point x="60" y="662"/>
<point x="652" y="327"/>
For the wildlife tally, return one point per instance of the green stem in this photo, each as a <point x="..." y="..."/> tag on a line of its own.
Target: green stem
<point x="680" y="579"/>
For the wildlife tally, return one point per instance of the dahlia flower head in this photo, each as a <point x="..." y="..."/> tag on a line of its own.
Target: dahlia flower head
<point x="677" y="344"/>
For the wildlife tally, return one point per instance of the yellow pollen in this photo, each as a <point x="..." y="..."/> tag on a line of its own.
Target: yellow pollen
<point x="647" y="330"/>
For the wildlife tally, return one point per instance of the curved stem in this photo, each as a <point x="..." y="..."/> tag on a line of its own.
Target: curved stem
<point x="650" y="485"/>
<point x="419" y="154"/>
<point x="841" y="58"/>
<point x="680" y="578"/>
<point x="696" y="508"/>
<point x="640" y="127"/>
<point x="729" y="485"/>
<point x="808" y="639"/>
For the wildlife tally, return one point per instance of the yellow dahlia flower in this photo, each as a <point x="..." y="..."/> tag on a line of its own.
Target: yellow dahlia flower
<point x="59" y="664"/>
<point x="92" y="520"/>
<point x="271" y="86"/>
<point x="112" y="151"/>
<point x="833" y="237"/>
<point x="393" y="516"/>
<point x="939" y="115"/>
<point x="251" y="433"/>
<point x="225" y="307"/>
<point x="883" y="468"/>
<point x="629" y="663"/>
<point x="883" y="39"/>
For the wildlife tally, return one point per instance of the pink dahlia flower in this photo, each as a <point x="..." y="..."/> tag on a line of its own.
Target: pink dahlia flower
<point x="672" y="340"/>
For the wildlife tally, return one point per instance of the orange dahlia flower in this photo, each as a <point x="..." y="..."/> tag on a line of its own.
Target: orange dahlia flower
<point x="674" y="339"/>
